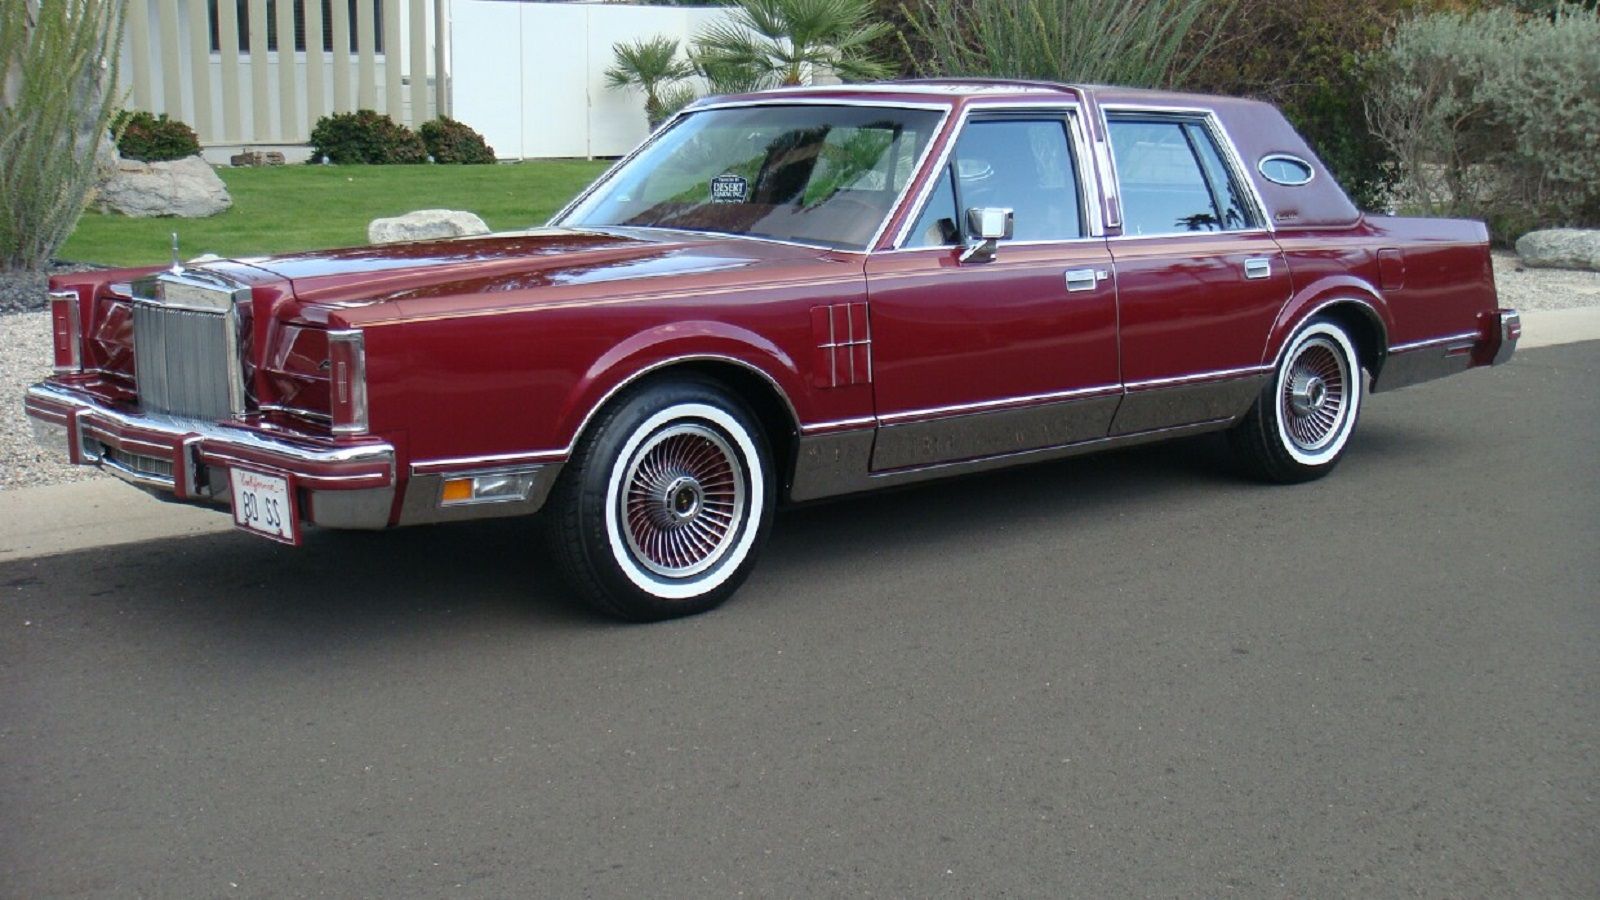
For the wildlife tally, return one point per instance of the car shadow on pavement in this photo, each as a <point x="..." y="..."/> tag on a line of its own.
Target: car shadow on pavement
<point x="342" y="587"/>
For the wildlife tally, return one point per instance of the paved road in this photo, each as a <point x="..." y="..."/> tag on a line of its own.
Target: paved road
<point x="1125" y="675"/>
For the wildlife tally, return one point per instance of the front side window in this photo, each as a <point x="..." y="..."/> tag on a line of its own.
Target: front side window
<point x="811" y="174"/>
<point x="1173" y="179"/>
<point x="1024" y="165"/>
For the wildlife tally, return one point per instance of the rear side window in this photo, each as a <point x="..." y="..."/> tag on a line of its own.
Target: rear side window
<point x="1173" y="178"/>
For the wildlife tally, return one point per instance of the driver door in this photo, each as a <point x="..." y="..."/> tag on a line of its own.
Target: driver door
<point x="1011" y="354"/>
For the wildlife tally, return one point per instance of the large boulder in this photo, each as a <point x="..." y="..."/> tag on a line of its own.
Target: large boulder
<point x="187" y="188"/>
<point x="1561" y="248"/>
<point x="425" y="224"/>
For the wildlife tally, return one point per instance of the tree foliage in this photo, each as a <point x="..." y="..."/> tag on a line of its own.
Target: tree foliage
<point x="1128" y="42"/>
<point x="653" y="66"/>
<point x="779" y="42"/>
<point x="1495" y="114"/>
<point x="58" y="71"/>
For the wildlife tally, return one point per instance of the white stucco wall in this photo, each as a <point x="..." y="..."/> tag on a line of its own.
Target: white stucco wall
<point x="531" y="76"/>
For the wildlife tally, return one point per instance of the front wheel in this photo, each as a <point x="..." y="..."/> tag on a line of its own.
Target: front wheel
<point x="664" y="505"/>
<point x="1301" y="423"/>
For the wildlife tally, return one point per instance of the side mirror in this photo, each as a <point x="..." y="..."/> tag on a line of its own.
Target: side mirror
<point x="987" y="227"/>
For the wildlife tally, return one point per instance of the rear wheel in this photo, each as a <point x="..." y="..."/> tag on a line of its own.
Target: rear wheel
<point x="666" y="502"/>
<point x="1300" y="425"/>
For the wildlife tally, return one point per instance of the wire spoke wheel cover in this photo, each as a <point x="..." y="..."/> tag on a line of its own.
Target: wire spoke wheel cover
<point x="682" y="499"/>
<point x="1318" y="394"/>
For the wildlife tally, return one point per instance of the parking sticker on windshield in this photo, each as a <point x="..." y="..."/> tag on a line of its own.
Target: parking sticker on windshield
<point x="729" y="189"/>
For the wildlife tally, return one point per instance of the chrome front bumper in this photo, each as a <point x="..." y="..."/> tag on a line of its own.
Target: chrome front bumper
<point x="346" y="486"/>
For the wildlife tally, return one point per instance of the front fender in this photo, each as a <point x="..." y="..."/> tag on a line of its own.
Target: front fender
<point x="675" y="343"/>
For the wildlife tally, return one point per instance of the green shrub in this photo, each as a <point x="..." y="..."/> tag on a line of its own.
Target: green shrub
<point x="58" y="77"/>
<point x="150" y="138"/>
<point x="1130" y="42"/>
<point x="1495" y="115"/>
<point x="365" y="136"/>
<point x="1309" y="58"/>
<point x="449" y="141"/>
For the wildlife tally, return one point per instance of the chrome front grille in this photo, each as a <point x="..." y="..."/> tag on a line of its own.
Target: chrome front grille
<point x="186" y="347"/>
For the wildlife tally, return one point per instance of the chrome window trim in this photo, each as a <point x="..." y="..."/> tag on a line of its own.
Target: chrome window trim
<point x="1225" y="147"/>
<point x="877" y="235"/>
<point x="1288" y="157"/>
<point x="1089" y="192"/>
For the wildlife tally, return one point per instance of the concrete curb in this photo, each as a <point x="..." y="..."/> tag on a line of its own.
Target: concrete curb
<point x="42" y="521"/>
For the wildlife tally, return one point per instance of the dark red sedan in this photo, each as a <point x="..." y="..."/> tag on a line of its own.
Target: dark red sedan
<point x="781" y="297"/>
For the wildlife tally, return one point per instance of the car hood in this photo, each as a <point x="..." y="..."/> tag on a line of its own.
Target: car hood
<point x="513" y="261"/>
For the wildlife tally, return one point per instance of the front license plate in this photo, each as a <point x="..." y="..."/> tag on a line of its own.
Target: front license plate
<point x="263" y="504"/>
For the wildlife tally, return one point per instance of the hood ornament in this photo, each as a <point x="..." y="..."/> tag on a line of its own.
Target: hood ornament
<point x="177" y="266"/>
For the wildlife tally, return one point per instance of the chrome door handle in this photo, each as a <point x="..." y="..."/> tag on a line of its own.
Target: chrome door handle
<point x="1258" y="267"/>
<point x="1082" y="279"/>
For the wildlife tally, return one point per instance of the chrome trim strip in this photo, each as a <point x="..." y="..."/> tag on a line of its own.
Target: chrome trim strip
<point x="1198" y="377"/>
<point x="877" y="235"/>
<point x="1449" y="338"/>
<point x="838" y="424"/>
<point x="1004" y="403"/>
<point x="1225" y="146"/>
<point x="1089" y="188"/>
<point x="299" y="412"/>
<point x="453" y="464"/>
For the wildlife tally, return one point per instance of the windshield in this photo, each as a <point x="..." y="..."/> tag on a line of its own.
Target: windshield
<point x="812" y="174"/>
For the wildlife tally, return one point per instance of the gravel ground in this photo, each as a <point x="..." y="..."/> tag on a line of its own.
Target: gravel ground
<point x="25" y="356"/>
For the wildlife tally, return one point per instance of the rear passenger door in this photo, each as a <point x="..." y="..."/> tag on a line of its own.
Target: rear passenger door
<point x="1200" y="279"/>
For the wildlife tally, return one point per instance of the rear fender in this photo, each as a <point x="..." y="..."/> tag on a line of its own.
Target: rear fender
<point x="1346" y="295"/>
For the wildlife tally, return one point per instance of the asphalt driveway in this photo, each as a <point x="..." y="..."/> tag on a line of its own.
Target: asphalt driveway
<point x="1133" y="674"/>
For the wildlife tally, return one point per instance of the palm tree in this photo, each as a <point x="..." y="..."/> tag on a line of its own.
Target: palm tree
<point x="784" y="41"/>
<point x="651" y="65"/>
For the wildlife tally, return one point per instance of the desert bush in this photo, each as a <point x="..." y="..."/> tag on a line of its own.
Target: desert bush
<point x="449" y="141"/>
<point x="150" y="138"/>
<point x="1309" y="58"/>
<point x="1495" y="114"/>
<point x="365" y="136"/>
<point x="1131" y="42"/>
<point x="58" y="71"/>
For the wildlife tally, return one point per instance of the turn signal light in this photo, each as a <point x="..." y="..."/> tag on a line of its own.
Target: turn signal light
<point x="490" y="487"/>
<point x="67" y="331"/>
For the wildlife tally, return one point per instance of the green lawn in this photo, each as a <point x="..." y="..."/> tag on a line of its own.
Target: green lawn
<point x="302" y="207"/>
